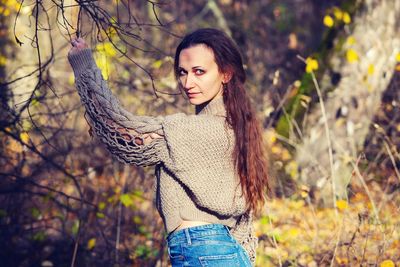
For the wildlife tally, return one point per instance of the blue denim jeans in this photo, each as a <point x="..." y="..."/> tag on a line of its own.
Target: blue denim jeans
<point x="206" y="245"/>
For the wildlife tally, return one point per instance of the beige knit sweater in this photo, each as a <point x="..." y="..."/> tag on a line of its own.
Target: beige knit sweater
<point x="195" y="174"/>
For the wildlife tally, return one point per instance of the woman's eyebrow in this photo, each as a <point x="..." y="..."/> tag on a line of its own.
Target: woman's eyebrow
<point x="194" y="67"/>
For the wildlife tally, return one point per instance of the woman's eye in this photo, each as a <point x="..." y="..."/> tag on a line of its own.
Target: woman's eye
<point x="198" y="71"/>
<point x="182" y="72"/>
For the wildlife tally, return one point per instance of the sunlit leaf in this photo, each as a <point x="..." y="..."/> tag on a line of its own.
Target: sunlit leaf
<point x="293" y="232"/>
<point x="286" y="155"/>
<point x="34" y="102"/>
<point x="157" y="64"/>
<point x="107" y="48"/>
<point x="311" y="65"/>
<point x="338" y="13"/>
<point x="137" y="220"/>
<point x="351" y="55"/>
<point x="328" y="21"/>
<point x="75" y="227"/>
<point x="276" y="149"/>
<point x="350" y="40"/>
<point x="346" y="18"/>
<point x="126" y="200"/>
<point x="102" y="205"/>
<point x="91" y="243"/>
<point x="265" y="220"/>
<point x="100" y="215"/>
<point x="71" y="79"/>
<point x="371" y="69"/>
<point x="341" y="260"/>
<point x="3" y="60"/>
<point x="387" y="263"/>
<point x="398" y="57"/>
<point x="292" y="169"/>
<point x="342" y="204"/>
<point x="24" y="137"/>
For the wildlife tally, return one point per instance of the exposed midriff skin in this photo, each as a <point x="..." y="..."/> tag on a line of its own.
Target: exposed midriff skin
<point x="186" y="224"/>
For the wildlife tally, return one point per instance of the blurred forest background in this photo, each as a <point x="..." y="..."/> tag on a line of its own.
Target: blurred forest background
<point x="323" y="76"/>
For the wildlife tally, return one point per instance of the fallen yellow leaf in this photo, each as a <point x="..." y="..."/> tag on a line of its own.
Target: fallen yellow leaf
<point x="342" y="204"/>
<point x="387" y="263"/>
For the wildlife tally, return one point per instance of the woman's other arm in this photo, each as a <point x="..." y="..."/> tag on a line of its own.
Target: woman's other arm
<point x="132" y="139"/>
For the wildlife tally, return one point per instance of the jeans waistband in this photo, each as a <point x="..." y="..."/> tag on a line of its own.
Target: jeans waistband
<point x="186" y="234"/>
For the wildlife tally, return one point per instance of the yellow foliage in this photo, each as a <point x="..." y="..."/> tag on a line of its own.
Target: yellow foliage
<point x="398" y="57"/>
<point x="350" y="40"/>
<point x="296" y="204"/>
<point x="351" y="55"/>
<point x="102" y="205"/>
<point x="328" y="21"/>
<point x="24" y="137"/>
<point x="387" y="263"/>
<point x="91" y="243"/>
<point x="276" y="149"/>
<point x="293" y="232"/>
<point x="5" y="11"/>
<point x="346" y="18"/>
<point x="341" y="261"/>
<point x="285" y="155"/>
<point x="371" y="69"/>
<point x="311" y="64"/>
<point x="71" y="79"/>
<point x="303" y="232"/>
<point x="270" y="136"/>
<point x="342" y="204"/>
<point x="157" y="64"/>
<point x="3" y="60"/>
<point x="107" y="48"/>
<point x="292" y="169"/>
<point x="104" y="65"/>
<point x="126" y="200"/>
<point x="338" y="13"/>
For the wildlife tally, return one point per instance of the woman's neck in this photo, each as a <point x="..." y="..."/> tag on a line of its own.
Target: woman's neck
<point x="213" y="107"/>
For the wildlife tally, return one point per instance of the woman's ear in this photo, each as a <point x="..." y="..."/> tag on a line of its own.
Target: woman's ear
<point x="227" y="76"/>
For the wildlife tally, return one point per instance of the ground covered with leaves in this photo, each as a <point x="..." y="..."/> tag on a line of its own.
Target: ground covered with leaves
<point x="363" y="231"/>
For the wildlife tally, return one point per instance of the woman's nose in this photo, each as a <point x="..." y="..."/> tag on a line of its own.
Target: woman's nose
<point x="188" y="82"/>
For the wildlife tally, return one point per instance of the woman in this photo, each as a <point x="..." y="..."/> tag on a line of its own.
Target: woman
<point x="211" y="171"/>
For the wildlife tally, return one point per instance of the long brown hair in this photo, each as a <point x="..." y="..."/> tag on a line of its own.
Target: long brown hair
<point x="248" y="154"/>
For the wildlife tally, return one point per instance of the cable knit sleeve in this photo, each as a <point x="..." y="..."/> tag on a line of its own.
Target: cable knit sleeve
<point x="122" y="132"/>
<point x="200" y="149"/>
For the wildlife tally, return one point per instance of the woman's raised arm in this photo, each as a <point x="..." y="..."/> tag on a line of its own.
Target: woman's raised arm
<point x="132" y="139"/>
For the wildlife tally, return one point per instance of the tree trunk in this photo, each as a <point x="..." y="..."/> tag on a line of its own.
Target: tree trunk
<point x="351" y="106"/>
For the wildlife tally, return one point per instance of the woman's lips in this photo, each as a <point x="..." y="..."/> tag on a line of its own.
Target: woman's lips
<point x="192" y="95"/>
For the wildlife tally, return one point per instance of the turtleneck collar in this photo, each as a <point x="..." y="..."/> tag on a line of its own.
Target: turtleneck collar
<point x="213" y="107"/>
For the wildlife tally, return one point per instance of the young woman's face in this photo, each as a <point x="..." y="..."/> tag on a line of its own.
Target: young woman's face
<point x="199" y="74"/>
